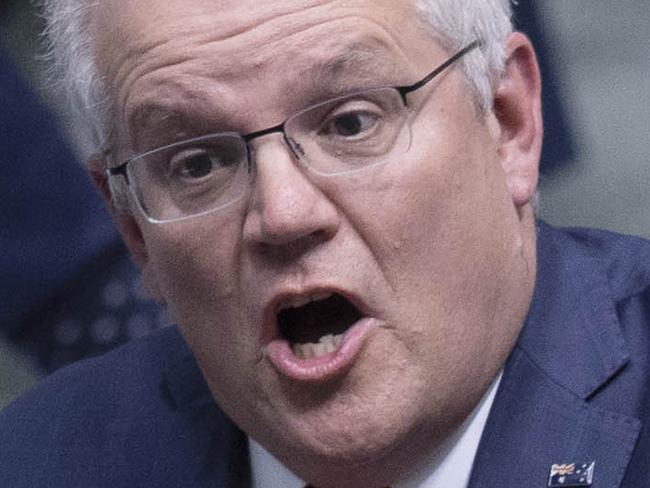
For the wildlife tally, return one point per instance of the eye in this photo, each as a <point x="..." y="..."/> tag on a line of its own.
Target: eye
<point x="198" y="164"/>
<point x="350" y="124"/>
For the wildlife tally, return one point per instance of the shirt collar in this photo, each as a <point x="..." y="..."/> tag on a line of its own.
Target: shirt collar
<point x="450" y="466"/>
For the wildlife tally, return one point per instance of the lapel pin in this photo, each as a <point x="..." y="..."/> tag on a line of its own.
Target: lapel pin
<point x="572" y="475"/>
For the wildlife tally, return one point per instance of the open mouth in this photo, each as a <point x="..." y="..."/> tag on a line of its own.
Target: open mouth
<point x="315" y="326"/>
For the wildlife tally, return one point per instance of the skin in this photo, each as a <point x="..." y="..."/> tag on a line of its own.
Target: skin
<point x="439" y="244"/>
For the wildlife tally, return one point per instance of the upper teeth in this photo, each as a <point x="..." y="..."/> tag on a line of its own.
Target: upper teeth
<point x="301" y="301"/>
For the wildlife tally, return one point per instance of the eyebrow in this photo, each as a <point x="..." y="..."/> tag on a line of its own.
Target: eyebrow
<point x="357" y="66"/>
<point x="351" y="60"/>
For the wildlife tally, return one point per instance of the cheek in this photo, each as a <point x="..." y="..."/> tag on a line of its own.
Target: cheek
<point x="195" y="267"/>
<point x="198" y="272"/>
<point x="425" y="208"/>
<point x="442" y="223"/>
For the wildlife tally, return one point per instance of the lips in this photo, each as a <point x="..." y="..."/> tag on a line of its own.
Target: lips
<point x="315" y="335"/>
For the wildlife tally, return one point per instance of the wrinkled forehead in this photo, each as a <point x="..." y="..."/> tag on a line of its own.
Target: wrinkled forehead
<point x="244" y="34"/>
<point x="243" y="65"/>
<point x="229" y="17"/>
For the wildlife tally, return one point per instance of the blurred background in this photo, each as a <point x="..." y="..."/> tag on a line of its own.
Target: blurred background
<point x="69" y="290"/>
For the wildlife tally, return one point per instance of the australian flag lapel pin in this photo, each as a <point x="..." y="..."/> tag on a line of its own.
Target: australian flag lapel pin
<point x="573" y="475"/>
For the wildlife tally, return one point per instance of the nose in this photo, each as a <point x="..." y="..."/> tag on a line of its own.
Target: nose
<point x="286" y="210"/>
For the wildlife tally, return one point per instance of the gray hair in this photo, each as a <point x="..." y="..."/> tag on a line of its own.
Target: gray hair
<point x="454" y="23"/>
<point x="73" y="67"/>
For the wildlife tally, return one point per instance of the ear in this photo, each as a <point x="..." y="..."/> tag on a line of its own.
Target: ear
<point x="517" y="108"/>
<point x="128" y="227"/>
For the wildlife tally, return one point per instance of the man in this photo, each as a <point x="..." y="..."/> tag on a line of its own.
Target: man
<point x="334" y="199"/>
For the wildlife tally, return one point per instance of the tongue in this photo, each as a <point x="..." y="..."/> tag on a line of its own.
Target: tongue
<point x="309" y="323"/>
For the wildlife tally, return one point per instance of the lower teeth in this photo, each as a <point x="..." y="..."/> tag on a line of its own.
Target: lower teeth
<point x="326" y="345"/>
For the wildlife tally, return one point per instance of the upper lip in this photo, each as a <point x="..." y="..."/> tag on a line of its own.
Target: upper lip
<point x="295" y="297"/>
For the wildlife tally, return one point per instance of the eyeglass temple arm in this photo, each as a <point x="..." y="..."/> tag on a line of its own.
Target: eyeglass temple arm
<point x="404" y="90"/>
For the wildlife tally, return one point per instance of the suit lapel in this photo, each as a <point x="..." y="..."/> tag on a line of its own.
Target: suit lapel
<point x="569" y="350"/>
<point x="535" y="423"/>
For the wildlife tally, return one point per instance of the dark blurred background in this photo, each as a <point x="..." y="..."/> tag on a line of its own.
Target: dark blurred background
<point x="68" y="289"/>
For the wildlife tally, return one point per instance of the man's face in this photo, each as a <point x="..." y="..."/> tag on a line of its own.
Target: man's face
<point x="423" y="266"/>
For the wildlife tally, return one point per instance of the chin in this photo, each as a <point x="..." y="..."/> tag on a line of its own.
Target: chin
<point x="353" y="455"/>
<point x="351" y="440"/>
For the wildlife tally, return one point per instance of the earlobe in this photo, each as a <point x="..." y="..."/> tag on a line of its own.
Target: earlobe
<point x="127" y="226"/>
<point x="517" y="108"/>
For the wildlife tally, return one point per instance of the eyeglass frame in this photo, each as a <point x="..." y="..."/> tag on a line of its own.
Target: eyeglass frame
<point x="403" y="91"/>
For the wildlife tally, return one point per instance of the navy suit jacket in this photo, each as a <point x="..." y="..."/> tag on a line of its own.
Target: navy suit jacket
<point x="576" y="388"/>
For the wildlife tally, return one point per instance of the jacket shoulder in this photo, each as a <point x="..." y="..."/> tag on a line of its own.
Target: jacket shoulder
<point x="625" y="259"/>
<point x="67" y="428"/>
<point x="127" y="369"/>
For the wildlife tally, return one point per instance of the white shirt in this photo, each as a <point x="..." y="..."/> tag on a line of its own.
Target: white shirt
<point x="450" y="467"/>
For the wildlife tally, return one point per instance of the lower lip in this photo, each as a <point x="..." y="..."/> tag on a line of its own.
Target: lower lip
<point x="321" y="368"/>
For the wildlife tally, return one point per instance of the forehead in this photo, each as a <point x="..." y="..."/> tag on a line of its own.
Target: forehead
<point x="156" y="51"/>
<point x="240" y="36"/>
<point x="133" y="20"/>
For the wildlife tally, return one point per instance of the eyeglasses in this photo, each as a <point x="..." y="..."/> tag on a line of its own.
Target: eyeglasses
<point x="340" y="136"/>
